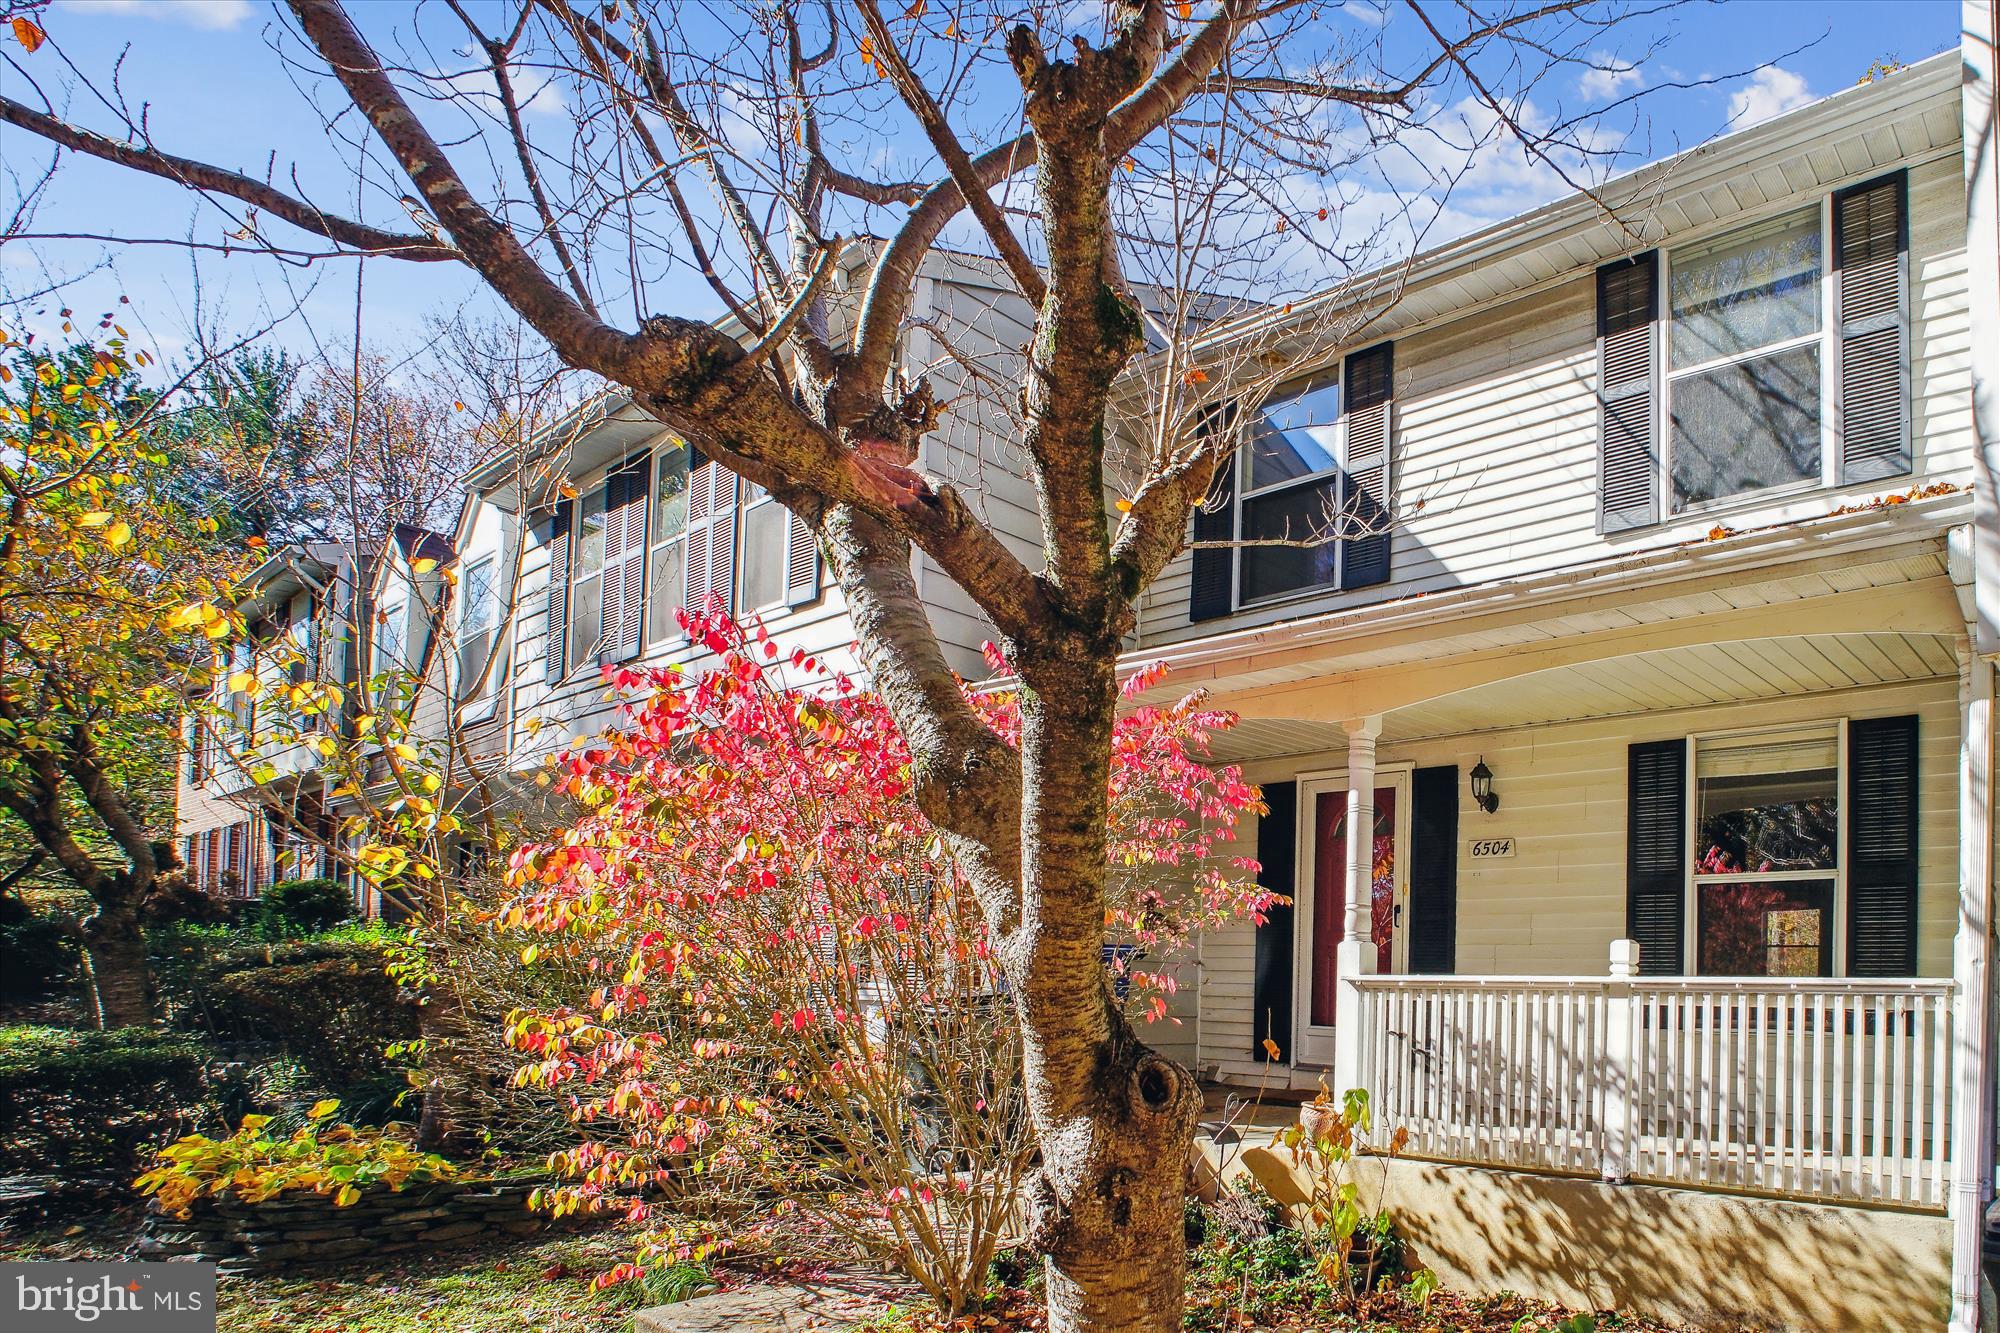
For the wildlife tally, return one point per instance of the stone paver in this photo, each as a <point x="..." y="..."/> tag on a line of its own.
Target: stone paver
<point x="768" y="1307"/>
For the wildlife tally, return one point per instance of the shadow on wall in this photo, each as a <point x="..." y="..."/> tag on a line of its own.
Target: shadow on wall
<point x="1713" y="1261"/>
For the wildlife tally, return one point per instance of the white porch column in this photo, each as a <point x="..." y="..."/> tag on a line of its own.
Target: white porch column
<point x="1972" y="977"/>
<point x="1355" y="955"/>
<point x="1620" y="1100"/>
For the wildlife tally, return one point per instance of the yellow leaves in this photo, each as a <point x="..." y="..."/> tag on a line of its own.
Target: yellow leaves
<point x="1124" y="506"/>
<point x="48" y="374"/>
<point x="322" y="1109"/>
<point x="244" y="682"/>
<point x="96" y="518"/>
<point x="423" y="566"/>
<point x="404" y="751"/>
<point x="28" y="35"/>
<point x="117" y="535"/>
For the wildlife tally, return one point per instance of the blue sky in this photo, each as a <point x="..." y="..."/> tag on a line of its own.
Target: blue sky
<point x="218" y="91"/>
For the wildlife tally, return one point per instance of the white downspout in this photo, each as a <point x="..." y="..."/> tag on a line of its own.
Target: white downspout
<point x="1972" y="976"/>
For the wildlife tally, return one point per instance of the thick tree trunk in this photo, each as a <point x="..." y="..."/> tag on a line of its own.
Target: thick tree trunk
<point x="1114" y="1119"/>
<point x="121" y="984"/>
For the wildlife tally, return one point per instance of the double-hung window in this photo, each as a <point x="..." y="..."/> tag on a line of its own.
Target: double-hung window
<point x="1304" y="503"/>
<point x="479" y="616"/>
<point x="392" y="630"/>
<point x="667" y="569"/>
<point x="1766" y="852"/>
<point x="1779" y="852"/>
<point x="1745" y="361"/>
<point x="607" y="568"/>
<point x="1289" y="467"/>
<point x="1768" y="358"/>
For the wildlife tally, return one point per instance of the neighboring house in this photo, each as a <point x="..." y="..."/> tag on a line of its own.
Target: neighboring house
<point x="251" y="802"/>
<point x="620" y="526"/>
<point x="1673" y="740"/>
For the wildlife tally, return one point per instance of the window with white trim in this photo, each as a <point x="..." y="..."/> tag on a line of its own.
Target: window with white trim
<point x="1306" y="500"/>
<point x="666" y="561"/>
<point x="1766" y="863"/>
<point x="1745" y="357"/>
<point x="1767" y="359"/>
<point x="1288" y="469"/>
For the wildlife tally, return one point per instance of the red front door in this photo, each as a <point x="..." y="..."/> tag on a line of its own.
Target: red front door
<point x="1330" y="887"/>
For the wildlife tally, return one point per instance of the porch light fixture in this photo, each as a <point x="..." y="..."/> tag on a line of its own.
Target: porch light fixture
<point x="1482" y="787"/>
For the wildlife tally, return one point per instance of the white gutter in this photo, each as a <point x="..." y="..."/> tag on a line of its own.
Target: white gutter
<point x="1864" y="530"/>
<point x="1694" y="170"/>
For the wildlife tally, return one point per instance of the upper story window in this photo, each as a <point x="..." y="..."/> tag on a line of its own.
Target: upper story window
<point x="1784" y="362"/>
<point x="666" y="581"/>
<point x="660" y="533"/>
<point x="480" y="596"/>
<point x="1743" y="394"/>
<point x="479" y="616"/>
<point x="392" y="636"/>
<point x="1290" y="473"/>
<point x="242" y="703"/>
<point x="1304" y="504"/>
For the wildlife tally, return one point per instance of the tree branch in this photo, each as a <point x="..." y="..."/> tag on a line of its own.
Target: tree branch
<point x="201" y="176"/>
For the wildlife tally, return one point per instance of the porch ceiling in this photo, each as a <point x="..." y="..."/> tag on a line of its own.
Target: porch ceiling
<point x="1693" y="676"/>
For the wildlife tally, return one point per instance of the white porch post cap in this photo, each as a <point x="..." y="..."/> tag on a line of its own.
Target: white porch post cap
<point x="1624" y="958"/>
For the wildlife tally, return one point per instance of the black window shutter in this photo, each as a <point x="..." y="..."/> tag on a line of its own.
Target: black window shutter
<point x="1882" y="847"/>
<point x="1656" y="854"/>
<point x="1212" y="584"/>
<point x="1871" y="262"/>
<point x="1433" y="924"/>
<point x="558" y="592"/>
<point x="1628" y="454"/>
<point x="1367" y="505"/>
<point x="1277" y="854"/>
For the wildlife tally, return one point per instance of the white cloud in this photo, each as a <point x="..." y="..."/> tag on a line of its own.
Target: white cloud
<point x="1367" y="11"/>
<point x="1608" y="76"/>
<point x="1772" y="91"/>
<point x="196" y="13"/>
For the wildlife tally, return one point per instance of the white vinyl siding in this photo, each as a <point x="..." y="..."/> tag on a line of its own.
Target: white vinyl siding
<point x="1496" y="429"/>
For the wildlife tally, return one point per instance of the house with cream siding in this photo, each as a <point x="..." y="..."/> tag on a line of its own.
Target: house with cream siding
<point x="1647" y="658"/>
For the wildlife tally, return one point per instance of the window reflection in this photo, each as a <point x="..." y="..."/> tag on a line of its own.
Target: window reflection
<point x="1295" y="436"/>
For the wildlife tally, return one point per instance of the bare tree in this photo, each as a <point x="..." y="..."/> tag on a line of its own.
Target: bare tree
<point x="1155" y="187"/>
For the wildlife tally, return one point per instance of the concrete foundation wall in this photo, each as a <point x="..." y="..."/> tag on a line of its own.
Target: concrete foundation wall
<point x="1710" y="1261"/>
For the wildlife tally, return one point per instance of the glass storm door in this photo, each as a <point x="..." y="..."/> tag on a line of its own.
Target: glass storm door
<point x="1324" y="913"/>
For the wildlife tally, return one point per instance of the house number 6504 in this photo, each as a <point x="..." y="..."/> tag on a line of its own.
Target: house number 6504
<point x="1490" y="849"/>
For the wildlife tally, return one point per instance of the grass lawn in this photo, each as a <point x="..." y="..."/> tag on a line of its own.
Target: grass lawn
<point x="527" y="1285"/>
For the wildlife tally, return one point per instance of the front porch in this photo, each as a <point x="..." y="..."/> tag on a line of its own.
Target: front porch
<point x="1837" y="1090"/>
<point x="1719" y="933"/>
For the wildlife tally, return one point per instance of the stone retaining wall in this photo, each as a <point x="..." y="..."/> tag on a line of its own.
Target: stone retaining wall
<point x="301" y="1227"/>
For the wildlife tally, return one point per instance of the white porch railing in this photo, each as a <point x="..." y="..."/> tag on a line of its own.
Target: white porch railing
<point x="1810" y="1088"/>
